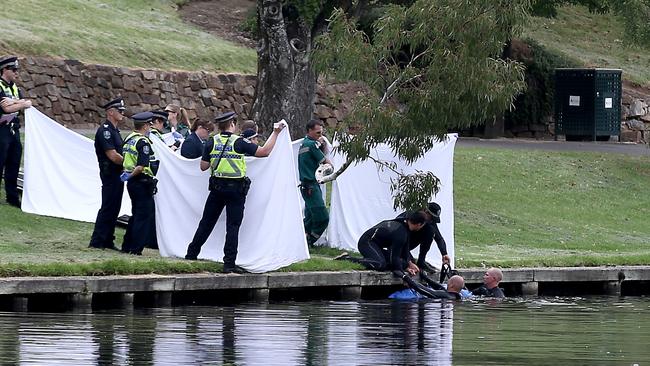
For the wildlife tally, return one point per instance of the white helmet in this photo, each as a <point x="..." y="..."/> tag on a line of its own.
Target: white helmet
<point x="323" y="171"/>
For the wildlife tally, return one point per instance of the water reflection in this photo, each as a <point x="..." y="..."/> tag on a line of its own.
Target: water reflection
<point x="574" y="330"/>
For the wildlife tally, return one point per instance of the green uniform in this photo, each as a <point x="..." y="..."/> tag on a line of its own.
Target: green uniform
<point x="316" y="215"/>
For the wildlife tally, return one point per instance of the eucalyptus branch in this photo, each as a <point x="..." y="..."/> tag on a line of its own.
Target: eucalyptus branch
<point x="336" y="174"/>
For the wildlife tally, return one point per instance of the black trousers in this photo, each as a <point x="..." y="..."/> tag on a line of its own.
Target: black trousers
<point x="233" y="200"/>
<point x="104" y="232"/>
<point x="11" y="150"/>
<point x="374" y="256"/>
<point x="141" y="231"/>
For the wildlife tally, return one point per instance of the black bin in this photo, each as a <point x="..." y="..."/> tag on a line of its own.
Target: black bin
<point x="587" y="103"/>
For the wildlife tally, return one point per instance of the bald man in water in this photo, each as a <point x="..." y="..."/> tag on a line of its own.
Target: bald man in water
<point x="490" y="287"/>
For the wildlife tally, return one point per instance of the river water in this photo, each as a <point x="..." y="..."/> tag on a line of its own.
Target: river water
<point x="535" y="331"/>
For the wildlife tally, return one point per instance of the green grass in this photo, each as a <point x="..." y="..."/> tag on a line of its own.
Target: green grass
<point x="513" y="208"/>
<point x="537" y="208"/>
<point x="598" y="40"/>
<point x="130" y="33"/>
<point x="32" y="245"/>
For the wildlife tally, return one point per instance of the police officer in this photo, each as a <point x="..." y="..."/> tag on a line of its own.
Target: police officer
<point x="310" y="156"/>
<point x="140" y="168"/>
<point x="11" y="149"/>
<point x="108" y="148"/>
<point x="224" y="155"/>
<point x="158" y="123"/>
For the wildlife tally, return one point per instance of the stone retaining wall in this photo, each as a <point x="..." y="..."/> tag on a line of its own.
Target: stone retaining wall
<point x="72" y="93"/>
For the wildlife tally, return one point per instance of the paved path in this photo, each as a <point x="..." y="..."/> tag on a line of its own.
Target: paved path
<point x="528" y="144"/>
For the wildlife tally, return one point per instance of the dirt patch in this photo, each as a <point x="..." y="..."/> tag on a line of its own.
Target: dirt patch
<point x="222" y="18"/>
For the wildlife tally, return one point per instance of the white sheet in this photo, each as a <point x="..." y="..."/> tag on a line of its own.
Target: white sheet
<point x="62" y="180"/>
<point x="61" y="172"/>
<point x="271" y="235"/>
<point x="361" y="197"/>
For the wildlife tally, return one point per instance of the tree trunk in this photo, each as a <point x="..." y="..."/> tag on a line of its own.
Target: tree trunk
<point x="285" y="80"/>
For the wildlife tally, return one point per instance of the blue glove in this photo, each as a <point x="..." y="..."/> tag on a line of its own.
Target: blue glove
<point x="125" y="176"/>
<point x="177" y="136"/>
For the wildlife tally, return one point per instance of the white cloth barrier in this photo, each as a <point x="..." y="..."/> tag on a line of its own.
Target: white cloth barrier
<point x="62" y="180"/>
<point x="61" y="172"/>
<point x="361" y="196"/>
<point x="271" y="235"/>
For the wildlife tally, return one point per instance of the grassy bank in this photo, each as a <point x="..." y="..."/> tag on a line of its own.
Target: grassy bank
<point x="513" y="208"/>
<point x="597" y="40"/>
<point x="540" y="208"/>
<point x="130" y="33"/>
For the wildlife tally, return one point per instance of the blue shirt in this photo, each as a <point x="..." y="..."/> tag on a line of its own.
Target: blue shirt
<point x="192" y="147"/>
<point x="107" y="138"/>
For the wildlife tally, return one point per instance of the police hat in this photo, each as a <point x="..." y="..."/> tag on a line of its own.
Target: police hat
<point x="9" y="62"/>
<point x="142" y="117"/>
<point x="225" y="117"/>
<point x="115" y="103"/>
<point x="160" y="114"/>
<point x="249" y="133"/>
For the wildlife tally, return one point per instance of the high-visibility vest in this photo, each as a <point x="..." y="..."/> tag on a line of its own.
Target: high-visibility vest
<point x="157" y="134"/>
<point x="131" y="153"/>
<point x="232" y="164"/>
<point x="9" y="91"/>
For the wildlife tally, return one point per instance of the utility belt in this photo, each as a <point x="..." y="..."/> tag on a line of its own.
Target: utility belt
<point x="13" y="126"/>
<point x="150" y="182"/>
<point x="307" y="188"/>
<point x="107" y="167"/>
<point x="229" y="185"/>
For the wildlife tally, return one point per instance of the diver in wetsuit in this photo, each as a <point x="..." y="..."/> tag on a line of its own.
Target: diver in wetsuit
<point x="453" y="291"/>
<point x="385" y="246"/>
<point x="490" y="287"/>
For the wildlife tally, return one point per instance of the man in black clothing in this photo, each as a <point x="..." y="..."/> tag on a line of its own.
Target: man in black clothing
<point x="108" y="148"/>
<point x="385" y="246"/>
<point x="228" y="186"/>
<point x="490" y="287"/>
<point x="427" y="235"/>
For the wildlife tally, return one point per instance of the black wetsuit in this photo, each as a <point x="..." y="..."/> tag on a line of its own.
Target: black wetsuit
<point x="385" y="246"/>
<point x="484" y="291"/>
<point x="424" y="237"/>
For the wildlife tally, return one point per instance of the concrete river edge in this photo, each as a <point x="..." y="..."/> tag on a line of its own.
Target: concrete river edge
<point x="87" y="292"/>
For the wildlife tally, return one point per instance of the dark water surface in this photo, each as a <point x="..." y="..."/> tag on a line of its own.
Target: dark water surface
<point x="540" y="331"/>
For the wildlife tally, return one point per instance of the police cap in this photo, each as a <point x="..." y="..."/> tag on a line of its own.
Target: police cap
<point x="115" y="103"/>
<point x="225" y="117"/>
<point x="141" y="118"/>
<point x="8" y="62"/>
<point x="160" y="114"/>
<point x="249" y="133"/>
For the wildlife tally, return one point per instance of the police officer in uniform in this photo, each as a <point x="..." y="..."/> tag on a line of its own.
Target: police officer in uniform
<point x="310" y="156"/>
<point x="224" y="155"/>
<point x="108" y="148"/>
<point x="140" y="168"/>
<point x="158" y="123"/>
<point x="11" y="149"/>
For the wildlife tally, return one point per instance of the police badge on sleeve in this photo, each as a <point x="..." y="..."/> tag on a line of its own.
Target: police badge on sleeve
<point x="107" y="135"/>
<point x="145" y="149"/>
